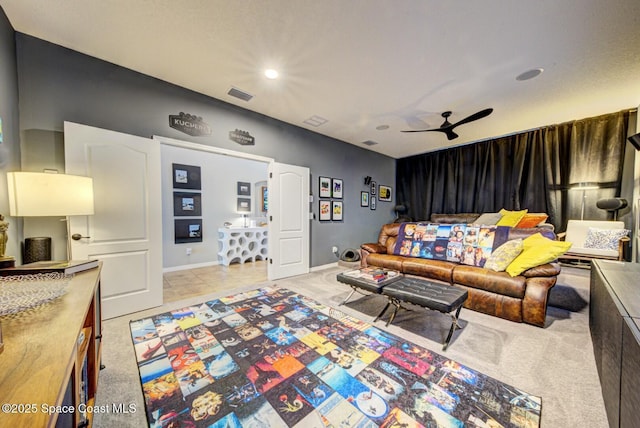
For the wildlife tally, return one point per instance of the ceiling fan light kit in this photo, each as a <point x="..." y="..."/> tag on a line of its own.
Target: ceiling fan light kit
<point x="447" y="127"/>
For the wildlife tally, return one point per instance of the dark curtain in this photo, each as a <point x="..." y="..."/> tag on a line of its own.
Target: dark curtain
<point x="540" y="170"/>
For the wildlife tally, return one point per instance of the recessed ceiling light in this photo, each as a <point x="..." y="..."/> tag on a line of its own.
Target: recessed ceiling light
<point x="530" y="74"/>
<point x="270" y="73"/>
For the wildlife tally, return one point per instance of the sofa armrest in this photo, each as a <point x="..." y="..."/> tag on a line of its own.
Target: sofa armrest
<point x="561" y="236"/>
<point x="536" y="295"/>
<point x="372" y="247"/>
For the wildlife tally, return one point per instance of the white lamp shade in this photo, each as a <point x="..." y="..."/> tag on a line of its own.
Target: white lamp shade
<point x="37" y="194"/>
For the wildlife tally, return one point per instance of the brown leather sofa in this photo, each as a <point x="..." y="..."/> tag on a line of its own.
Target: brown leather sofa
<point x="521" y="298"/>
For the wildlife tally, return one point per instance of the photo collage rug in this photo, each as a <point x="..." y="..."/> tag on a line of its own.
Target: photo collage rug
<point x="273" y="358"/>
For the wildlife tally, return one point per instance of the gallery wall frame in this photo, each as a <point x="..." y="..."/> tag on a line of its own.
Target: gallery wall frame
<point x="187" y="230"/>
<point x="186" y="177"/>
<point x="187" y="204"/>
<point x="324" y="187"/>
<point x="372" y="188"/>
<point x="364" y="199"/>
<point x="244" y="188"/>
<point x="384" y="193"/>
<point x="244" y="205"/>
<point x="336" y="210"/>
<point x="336" y="188"/>
<point x="372" y="202"/>
<point x="324" y="210"/>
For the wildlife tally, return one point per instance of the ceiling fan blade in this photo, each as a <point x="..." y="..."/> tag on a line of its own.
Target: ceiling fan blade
<point x="475" y="116"/>
<point x="450" y="134"/>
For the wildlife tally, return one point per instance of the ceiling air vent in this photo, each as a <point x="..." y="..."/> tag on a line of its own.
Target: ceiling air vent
<point x="235" y="92"/>
<point x="315" y="121"/>
<point x="369" y="143"/>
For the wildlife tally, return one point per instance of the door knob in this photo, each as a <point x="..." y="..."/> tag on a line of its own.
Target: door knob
<point x="77" y="237"/>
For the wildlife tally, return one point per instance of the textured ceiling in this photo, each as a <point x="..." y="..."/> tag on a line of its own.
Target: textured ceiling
<point x="360" y="64"/>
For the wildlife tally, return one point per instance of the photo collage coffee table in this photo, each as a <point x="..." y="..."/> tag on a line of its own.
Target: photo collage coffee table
<point x="400" y="289"/>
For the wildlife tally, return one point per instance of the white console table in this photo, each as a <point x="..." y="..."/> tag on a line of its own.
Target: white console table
<point x="242" y="244"/>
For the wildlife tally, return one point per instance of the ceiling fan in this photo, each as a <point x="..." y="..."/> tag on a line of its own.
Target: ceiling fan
<point x="447" y="127"/>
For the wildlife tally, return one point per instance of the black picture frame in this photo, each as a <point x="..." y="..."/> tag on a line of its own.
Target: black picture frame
<point x="324" y="187"/>
<point x="187" y="230"/>
<point x="337" y="211"/>
<point x="187" y="204"/>
<point x="372" y="202"/>
<point x="244" y="205"/>
<point x="385" y="193"/>
<point x="324" y="210"/>
<point x="337" y="188"/>
<point x="244" y="188"/>
<point x="372" y="188"/>
<point x="364" y="199"/>
<point x="186" y="177"/>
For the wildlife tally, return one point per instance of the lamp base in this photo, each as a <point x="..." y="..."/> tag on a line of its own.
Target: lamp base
<point x="7" y="262"/>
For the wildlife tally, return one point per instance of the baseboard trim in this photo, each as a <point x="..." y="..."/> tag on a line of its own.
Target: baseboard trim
<point x="186" y="267"/>
<point x="323" y="267"/>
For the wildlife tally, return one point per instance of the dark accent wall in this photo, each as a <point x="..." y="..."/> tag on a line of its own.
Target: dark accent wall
<point x="57" y="84"/>
<point x="10" y="145"/>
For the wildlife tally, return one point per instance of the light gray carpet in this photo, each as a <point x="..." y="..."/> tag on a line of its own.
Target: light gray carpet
<point x="555" y="362"/>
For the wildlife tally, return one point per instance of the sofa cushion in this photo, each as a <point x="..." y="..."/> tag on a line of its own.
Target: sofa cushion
<point x="433" y="269"/>
<point x="537" y="250"/>
<point x="510" y="218"/>
<point x="504" y="255"/>
<point x="604" y="239"/>
<point x="488" y="280"/>
<point x="386" y="261"/>
<point x="454" y="218"/>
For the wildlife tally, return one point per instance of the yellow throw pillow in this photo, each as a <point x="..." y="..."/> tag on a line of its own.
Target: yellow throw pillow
<point x="537" y="250"/>
<point x="510" y="218"/>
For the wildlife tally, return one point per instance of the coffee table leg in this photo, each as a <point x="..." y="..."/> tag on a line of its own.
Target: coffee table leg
<point x="353" y="290"/>
<point x="454" y="326"/>
<point x="382" y="311"/>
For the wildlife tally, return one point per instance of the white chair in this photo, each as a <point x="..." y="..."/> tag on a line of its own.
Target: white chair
<point x="578" y="232"/>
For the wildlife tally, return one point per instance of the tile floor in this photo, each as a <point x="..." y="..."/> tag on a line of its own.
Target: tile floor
<point x="183" y="284"/>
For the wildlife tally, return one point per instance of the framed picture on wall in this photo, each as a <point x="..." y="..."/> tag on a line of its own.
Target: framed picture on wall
<point x="372" y="188"/>
<point x="186" y="177"/>
<point x="384" y="193"/>
<point x="244" y="205"/>
<point x="324" y="187"/>
<point x="336" y="188"/>
<point x="244" y="189"/>
<point x="336" y="210"/>
<point x="364" y="199"/>
<point x="265" y="199"/>
<point x="188" y="230"/>
<point x="372" y="202"/>
<point x="325" y="210"/>
<point x="187" y="204"/>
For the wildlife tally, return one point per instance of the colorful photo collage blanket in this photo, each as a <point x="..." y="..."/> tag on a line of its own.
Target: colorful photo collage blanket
<point x="274" y="358"/>
<point x="461" y="243"/>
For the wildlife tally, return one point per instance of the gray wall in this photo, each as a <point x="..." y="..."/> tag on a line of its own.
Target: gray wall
<point x="57" y="84"/>
<point x="9" y="147"/>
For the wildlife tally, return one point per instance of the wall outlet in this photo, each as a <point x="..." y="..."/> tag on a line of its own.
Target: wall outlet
<point x="188" y="251"/>
<point x="334" y="249"/>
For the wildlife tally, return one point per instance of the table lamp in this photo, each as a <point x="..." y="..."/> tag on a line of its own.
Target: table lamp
<point x="38" y="194"/>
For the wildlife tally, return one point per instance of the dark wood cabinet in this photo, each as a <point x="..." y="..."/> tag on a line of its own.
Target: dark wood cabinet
<point x="614" y="315"/>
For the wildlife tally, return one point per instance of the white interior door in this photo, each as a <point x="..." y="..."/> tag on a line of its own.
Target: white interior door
<point x="126" y="230"/>
<point x="288" y="213"/>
